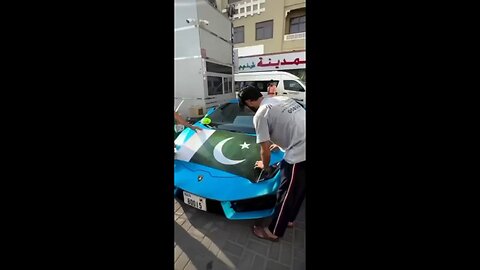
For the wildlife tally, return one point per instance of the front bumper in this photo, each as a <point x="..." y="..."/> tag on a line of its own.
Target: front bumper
<point x="253" y="208"/>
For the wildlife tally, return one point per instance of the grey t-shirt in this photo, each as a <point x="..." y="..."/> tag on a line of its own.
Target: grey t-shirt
<point x="282" y="121"/>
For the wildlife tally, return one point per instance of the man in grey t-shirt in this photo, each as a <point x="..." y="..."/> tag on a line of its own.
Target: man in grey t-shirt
<point x="281" y="121"/>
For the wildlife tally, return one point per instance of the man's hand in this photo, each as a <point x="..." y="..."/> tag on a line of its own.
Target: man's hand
<point x="259" y="164"/>
<point x="182" y="121"/>
<point x="197" y="129"/>
<point x="274" y="147"/>
<point x="265" y="156"/>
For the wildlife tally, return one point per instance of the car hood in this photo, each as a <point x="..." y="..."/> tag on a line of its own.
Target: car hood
<point x="227" y="152"/>
<point x="219" y="165"/>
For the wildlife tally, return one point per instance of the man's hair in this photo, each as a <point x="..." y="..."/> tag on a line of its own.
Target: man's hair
<point x="249" y="92"/>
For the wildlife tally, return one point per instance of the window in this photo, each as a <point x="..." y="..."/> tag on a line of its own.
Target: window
<point x="297" y="25"/>
<point x="213" y="3"/>
<point x="231" y="117"/>
<point x="293" y="86"/>
<point x="228" y="85"/>
<point x="262" y="85"/>
<point x="238" y="34"/>
<point x="264" y="30"/>
<point x="216" y="68"/>
<point x="300" y="73"/>
<point x="214" y="85"/>
<point x="238" y="86"/>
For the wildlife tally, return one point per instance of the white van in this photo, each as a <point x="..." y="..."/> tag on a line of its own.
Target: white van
<point x="287" y="84"/>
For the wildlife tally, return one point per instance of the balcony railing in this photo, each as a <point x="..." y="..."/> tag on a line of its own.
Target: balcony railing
<point x="247" y="8"/>
<point x="294" y="36"/>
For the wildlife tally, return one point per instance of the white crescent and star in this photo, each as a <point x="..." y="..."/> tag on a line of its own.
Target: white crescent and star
<point x="220" y="157"/>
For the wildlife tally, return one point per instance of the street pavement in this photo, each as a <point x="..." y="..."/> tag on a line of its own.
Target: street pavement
<point x="209" y="241"/>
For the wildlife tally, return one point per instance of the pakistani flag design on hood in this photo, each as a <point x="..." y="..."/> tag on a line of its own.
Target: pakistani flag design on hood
<point x="232" y="152"/>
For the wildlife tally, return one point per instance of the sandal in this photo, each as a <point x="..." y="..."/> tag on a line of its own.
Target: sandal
<point x="260" y="233"/>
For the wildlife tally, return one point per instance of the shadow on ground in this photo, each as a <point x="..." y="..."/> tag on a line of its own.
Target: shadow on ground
<point x="213" y="242"/>
<point x="200" y="257"/>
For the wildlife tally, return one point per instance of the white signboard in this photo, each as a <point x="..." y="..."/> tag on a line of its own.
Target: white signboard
<point x="269" y="62"/>
<point x="250" y="50"/>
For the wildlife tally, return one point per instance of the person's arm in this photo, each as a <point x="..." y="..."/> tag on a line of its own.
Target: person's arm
<point x="265" y="156"/>
<point x="182" y="121"/>
<point x="263" y="138"/>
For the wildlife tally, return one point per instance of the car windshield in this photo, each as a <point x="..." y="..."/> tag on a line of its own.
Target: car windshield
<point x="230" y="117"/>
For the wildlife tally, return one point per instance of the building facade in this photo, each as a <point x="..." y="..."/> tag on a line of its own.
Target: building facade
<point x="268" y="34"/>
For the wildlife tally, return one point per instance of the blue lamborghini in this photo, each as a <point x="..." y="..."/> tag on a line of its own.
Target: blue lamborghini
<point x="214" y="168"/>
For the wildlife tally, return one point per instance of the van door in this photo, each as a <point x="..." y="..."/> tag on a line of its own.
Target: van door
<point x="294" y="89"/>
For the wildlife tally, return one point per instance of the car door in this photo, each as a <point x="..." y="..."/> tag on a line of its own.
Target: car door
<point x="294" y="89"/>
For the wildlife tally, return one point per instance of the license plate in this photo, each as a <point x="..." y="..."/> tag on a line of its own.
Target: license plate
<point x="195" y="201"/>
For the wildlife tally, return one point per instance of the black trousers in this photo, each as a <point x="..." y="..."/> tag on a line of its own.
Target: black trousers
<point x="289" y="197"/>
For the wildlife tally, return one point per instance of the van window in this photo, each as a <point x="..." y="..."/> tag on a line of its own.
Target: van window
<point x="262" y="85"/>
<point x="238" y="86"/>
<point x="292" y="86"/>
<point x="214" y="85"/>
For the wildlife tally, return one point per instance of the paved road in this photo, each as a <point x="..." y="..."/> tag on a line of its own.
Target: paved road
<point x="208" y="241"/>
